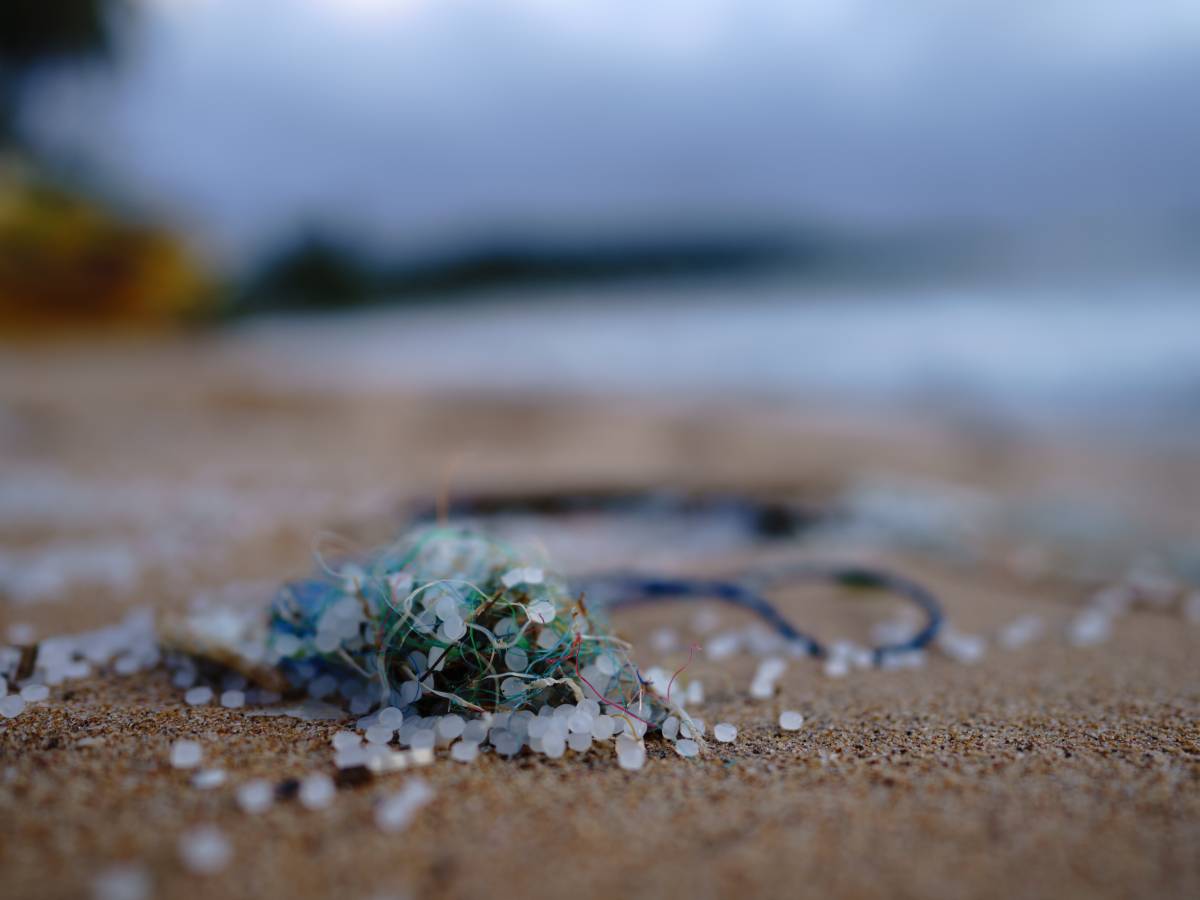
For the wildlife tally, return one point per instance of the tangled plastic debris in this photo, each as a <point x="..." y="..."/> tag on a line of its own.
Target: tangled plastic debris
<point x="455" y="641"/>
<point x="448" y="620"/>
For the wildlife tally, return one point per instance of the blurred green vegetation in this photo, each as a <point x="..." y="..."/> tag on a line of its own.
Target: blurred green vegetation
<point x="320" y="271"/>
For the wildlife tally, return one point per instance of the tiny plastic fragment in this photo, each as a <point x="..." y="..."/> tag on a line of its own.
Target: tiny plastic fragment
<point x="790" y="720"/>
<point x="317" y="791"/>
<point x="255" y="796"/>
<point x="186" y="754"/>
<point x="204" y="850"/>
<point x="725" y="733"/>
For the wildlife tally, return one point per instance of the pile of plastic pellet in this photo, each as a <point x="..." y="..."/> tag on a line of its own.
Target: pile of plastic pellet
<point x="551" y="732"/>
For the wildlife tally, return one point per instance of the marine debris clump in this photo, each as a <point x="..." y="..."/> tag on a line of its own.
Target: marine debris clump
<point x="450" y="621"/>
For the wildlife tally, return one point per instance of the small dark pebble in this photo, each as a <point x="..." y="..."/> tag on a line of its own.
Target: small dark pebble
<point x="27" y="662"/>
<point x="352" y="777"/>
<point x="287" y="789"/>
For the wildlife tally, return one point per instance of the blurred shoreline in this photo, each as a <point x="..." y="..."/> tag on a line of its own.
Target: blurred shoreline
<point x="1044" y="359"/>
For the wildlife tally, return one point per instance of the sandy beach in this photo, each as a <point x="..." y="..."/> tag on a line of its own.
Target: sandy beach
<point x="1045" y="771"/>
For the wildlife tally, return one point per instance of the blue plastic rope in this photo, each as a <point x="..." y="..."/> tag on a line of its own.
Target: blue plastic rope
<point x="633" y="590"/>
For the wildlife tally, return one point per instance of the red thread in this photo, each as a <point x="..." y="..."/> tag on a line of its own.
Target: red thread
<point x="691" y="652"/>
<point x="599" y="696"/>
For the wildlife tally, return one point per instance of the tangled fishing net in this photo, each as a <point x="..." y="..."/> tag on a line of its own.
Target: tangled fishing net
<point x="447" y="620"/>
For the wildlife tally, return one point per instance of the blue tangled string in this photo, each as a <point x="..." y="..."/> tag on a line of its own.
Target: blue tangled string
<point x="633" y="590"/>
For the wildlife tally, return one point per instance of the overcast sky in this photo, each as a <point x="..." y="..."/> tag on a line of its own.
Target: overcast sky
<point x="428" y="121"/>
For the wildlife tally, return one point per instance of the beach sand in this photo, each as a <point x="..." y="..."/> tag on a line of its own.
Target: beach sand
<point x="1049" y="771"/>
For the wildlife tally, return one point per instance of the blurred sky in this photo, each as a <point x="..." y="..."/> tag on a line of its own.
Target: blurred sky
<point x="416" y="123"/>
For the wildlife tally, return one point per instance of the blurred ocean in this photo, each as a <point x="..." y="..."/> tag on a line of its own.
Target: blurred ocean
<point x="1121" y="359"/>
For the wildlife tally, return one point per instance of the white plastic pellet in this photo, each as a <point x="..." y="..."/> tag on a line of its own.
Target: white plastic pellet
<point x="631" y="754"/>
<point x="851" y="654"/>
<point x="409" y="692"/>
<point x="695" y="693"/>
<point x="186" y="754"/>
<point x="542" y="612"/>
<point x="664" y="640"/>
<point x="397" y="810"/>
<point x="446" y="607"/>
<point x="1091" y="627"/>
<point x="723" y="645"/>
<point x="343" y="739"/>
<point x="1021" y="631"/>
<point x="464" y="751"/>
<point x="317" y="791"/>
<point x="670" y="728"/>
<point x="603" y="727"/>
<point x="390" y="717"/>
<point x="475" y="731"/>
<point x="207" y="779"/>
<point x="424" y="739"/>
<point x="836" y="667"/>
<point x="790" y="720"/>
<point x="255" y="796"/>
<point x="554" y="745"/>
<point x="725" y="733"/>
<point x="11" y="706"/>
<point x="34" y="693"/>
<point x="906" y="659"/>
<point x="449" y="727"/>
<point x="771" y="669"/>
<point x="580" y="741"/>
<point x="452" y="630"/>
<point x="198" y="696"/>
<point x="204" y="850"/>
<point x="687" y="748"/>
<point x="506" y="743"/>
<point x="380" y="734"/>
<point x="233" y="699"/>
<point x="125" y="882"/>
<point x="21" y="634"/>
<point x="356" y="755"/>
<point x="964" y="648"/>
<point x="761" y="690"/>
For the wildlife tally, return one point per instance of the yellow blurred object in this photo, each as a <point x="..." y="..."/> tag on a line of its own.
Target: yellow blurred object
<point x="66" y="263"/>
